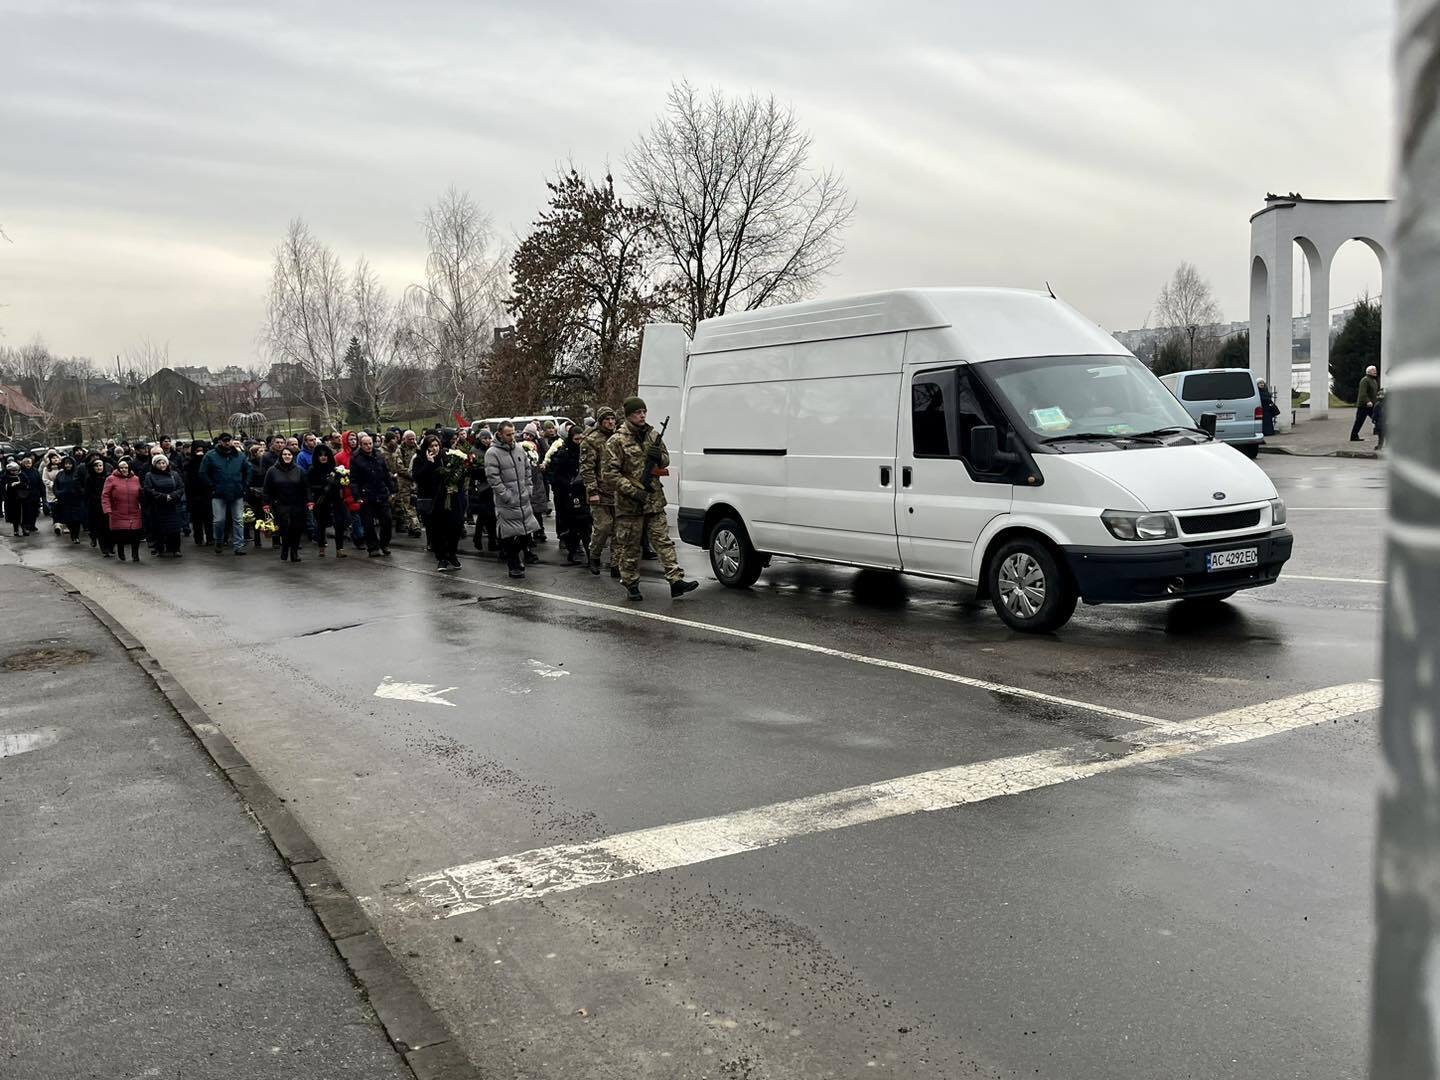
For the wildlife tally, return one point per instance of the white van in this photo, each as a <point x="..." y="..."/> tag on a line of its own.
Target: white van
<point x="994" y="437"/>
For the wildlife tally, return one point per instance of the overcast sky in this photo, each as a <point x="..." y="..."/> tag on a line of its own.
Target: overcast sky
<point x="152" y="153"/>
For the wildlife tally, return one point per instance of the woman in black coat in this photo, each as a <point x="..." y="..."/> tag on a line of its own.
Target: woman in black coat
<point x="287" y="496"/>
<point x="96" y="523"/>
<point x="198" y="496"/>
<point x="163" y="498"/>
<point x="70" y="498"/>
<point x="572" y="508"/>
<point x="439" y="476"/>
<point x="327" y="500"/>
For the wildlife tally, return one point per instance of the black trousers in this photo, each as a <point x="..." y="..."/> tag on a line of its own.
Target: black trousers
<point x="331" y="517"/>
<point x="1362" y="413"/>
<point x="378" y="525"/>
<point x="444" y="526"/>
<point x="291" y="520"/>
<point x="514" y="548"/>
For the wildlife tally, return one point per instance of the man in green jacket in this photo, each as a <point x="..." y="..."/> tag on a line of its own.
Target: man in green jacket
<point x="1365" y="399"/>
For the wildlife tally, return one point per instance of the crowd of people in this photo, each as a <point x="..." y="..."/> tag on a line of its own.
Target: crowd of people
<point x="599" y="480"/>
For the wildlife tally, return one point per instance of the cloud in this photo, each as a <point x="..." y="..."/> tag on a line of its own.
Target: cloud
<point x="155" y="151"/>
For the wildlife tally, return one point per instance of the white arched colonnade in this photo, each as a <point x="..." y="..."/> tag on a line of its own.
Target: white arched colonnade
<point x="1320" y="227"/>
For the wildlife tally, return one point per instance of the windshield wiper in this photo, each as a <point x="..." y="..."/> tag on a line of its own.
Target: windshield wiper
<point x="1085" y="436"/>
<point x="1179" y="429"/>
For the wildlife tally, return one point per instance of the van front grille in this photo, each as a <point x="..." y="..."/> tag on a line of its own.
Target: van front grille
<point x="1226" y="522"/>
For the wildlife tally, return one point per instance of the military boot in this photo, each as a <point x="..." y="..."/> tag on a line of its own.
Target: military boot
<point x="632" y="592"/>
<point x="680" y="588"/>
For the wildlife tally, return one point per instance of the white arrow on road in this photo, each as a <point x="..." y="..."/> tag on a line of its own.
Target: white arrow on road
<point x="414" y="691"/>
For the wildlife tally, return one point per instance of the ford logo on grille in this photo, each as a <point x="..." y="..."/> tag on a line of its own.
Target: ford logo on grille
<point x="1219" y="495"/>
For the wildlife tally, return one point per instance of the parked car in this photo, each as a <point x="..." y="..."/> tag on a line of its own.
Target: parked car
<point x="1229" y="393"/>
<point x="993" y="437"/>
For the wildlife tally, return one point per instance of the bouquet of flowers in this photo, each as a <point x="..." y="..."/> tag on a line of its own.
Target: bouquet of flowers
<point x="267" y="524"/>
<point x="248" y="517"/>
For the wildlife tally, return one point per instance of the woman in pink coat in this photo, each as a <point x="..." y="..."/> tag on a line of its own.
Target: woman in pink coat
<point x="120" y="499"/>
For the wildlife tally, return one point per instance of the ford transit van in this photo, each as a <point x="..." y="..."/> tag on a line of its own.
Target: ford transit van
<point x="993" y="437"/>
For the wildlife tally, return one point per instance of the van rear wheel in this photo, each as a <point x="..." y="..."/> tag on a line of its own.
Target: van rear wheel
<point x="733" y="558"/>
<point x="1250" y="450"/>
<point x="1030" y="590"/>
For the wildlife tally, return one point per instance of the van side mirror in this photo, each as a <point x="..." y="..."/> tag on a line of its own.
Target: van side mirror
<point x="1207" y="423"/>
<point x="984" y="447"/>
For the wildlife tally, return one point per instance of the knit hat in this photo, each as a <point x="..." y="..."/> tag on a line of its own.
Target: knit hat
<point x="605" y="412"/>
<point x="160" y="459"/>
<point x="633" y="405"/>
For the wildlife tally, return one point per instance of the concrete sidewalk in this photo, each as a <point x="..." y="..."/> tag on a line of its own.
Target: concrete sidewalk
<point x="1328" y="437"/>
<point x="151" y="928"/>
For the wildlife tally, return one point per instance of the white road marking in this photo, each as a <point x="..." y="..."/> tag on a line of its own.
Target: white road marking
<point x="542" y="871"/>
<point x="426" y="693"/>
<point x="545" y="671"/>
<point x="802" y="646"/>
<point x="1287" y="576"/>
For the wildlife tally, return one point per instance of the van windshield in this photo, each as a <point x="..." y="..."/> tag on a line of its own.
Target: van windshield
<point x="1085" y="397"/>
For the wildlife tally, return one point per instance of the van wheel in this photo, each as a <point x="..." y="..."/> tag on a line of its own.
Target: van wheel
<point x="1028" y="587"/>
<point x="1250" y="450"/>
<point x="736" y="563"/>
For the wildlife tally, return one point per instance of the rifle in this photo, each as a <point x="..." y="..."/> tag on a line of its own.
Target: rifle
<point x="652" y="460"/>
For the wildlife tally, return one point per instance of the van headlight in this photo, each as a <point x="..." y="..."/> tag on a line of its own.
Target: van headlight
<point x="1133" y="525"/>
<point x="1277" y="511"/>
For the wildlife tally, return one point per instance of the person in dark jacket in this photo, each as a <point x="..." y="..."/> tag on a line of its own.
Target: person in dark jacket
<point x="439" y="475"/>
<point x="326" y="485"/>
<point x="70" y="498"/>
<point x="372" y="485"/>
<point x="482" y="499"/>
<point x="226" y="473"/>
<point x="34" y="495"/>
<point x="96" y="523"/>
<point x="255" y="493"/>
<point x="198" y="496"/>
<point x="572" y="508"/>
<point x="1268" y="409"/>
<point x="164" y="495"/>
<point x="16" y="494"/>
<point x="287" y="497"/>
<point x="120" y="499"/>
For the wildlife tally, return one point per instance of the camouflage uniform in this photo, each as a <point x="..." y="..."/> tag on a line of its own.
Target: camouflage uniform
<point x="602" y="528"/>
<point x="638" y="513"/>
<point x="402" y="459"/>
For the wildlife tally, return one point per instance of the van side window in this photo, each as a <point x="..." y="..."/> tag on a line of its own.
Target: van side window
<point x="928" y="420"/>
<point x="973" y="412"/>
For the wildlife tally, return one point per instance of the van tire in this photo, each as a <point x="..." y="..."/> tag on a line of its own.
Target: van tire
<point x="1029" y="588"/>
<point x="733" y="559"/>
<point x="1250" y="450"/>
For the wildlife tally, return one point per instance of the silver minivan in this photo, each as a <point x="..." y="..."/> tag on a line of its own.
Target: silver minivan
<point x="1229" y="393"/>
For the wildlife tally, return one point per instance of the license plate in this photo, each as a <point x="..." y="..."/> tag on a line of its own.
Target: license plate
<point x="1225" y="416"/>
<point x="1232" y="559"/>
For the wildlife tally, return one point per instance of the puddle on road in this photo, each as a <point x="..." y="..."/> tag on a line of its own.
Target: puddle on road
<point x="45" y="659"/>
<point x="22" y="742"/>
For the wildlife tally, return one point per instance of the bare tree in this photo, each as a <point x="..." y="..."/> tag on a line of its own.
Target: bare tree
<point x="154" y="404"/>
<point x="746" y="220"/>
<point x="451" y="315"/>
<point x="311" y="315"/>
<point x="376" y="368"/>
<point x="1187" y="314"/>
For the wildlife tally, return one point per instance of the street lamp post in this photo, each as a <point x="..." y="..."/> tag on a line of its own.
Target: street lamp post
<point x="1192" y="330"/>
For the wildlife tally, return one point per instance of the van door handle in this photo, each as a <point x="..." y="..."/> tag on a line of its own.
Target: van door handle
<point x="905" y="476"/>
<point x="884" y="475"/>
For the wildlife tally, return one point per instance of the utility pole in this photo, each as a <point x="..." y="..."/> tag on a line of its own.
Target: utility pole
<point x="1405" y="1017"/>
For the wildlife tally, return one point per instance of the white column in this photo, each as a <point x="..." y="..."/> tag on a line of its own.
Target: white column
<point x="1385" y="324"/>
<point x="1282" y="353"/>
<point x="1320" y="339"/>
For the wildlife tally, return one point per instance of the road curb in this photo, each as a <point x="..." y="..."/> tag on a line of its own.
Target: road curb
<point x="1288" y="452"/>
<point x="415" y="1029"/>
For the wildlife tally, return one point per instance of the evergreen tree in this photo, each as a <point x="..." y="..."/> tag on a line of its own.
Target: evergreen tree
<point x="1235" y="352"/>
<point x="1355" y="348"/>
<point x="1172" y="356"/>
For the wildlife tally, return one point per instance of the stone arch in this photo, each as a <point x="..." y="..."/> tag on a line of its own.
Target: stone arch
<point x="1319" y="227"/>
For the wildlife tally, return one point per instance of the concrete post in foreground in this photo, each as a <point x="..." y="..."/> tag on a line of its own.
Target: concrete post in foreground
<point x="1405" y="1023"/>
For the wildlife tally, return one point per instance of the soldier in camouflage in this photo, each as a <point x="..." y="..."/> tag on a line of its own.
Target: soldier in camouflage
<point x="597" y="493"/>
<point x="402" y="460"/>
<point x="632" y="454"/>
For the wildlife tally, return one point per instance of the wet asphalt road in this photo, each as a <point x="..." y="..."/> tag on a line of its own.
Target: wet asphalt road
<point x="1204" y="917"/>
